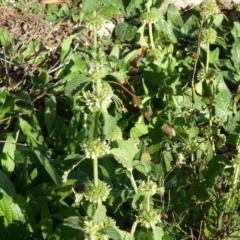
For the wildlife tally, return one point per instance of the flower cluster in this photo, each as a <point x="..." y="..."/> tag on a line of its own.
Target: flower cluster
<point x="96" y="194"/>
<point x="149" y="188"/>
<point x="209" y="8"/>
<point x="150" y="17"/>
<point x="154" y="54"/>
<point x="99" y="101"/>
<point x="95" y="148"/>
<point x="208" y="36"/>
<point x="149" y="218"/>
<point x="97" y="69"/>
<point x="204" y="75"/>
<point x="94" y="231"/>
<point x="94" y="22"/>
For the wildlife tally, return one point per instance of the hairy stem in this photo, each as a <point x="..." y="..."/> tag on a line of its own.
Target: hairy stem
<point x="151" y="35"/>
<point x="133" y="182"/>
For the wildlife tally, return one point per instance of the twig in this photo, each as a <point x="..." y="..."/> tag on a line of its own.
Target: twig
<point x="20" y="144"/>
<point x="200" y="230"/>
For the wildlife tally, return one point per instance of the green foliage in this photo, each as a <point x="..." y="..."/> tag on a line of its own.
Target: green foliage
<point x="134" y="135"/>
<point x="125" y="32"/>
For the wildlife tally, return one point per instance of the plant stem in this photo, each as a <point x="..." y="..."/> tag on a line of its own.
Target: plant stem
<point x="95" y="171"/>
<point x="94" y="35"/>
<point x="151" y="35"/>
<point x="207" y="60"/>
<point x="210" y="107"/>
<point x="211" y="124"/>
<point x="98" y="113"/>
<point x="133" y="182"/>
<point x="148" y="198"/>
<point x="95" y="160"/>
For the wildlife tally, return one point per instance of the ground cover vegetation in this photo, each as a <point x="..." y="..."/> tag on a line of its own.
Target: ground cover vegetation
<point x="132" y="134"/>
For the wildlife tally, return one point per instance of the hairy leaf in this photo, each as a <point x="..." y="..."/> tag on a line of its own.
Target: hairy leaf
<point x="125" y="153"/>
<point x="236" y="53"/>
<point x="125" y="31"/>
<point x="75" y="84"/>
<point x="109" y="124"/>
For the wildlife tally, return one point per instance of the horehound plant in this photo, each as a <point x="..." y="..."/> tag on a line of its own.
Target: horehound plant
<point x="105" y="140"/>
<point x="207" y="77"/>
<point x="97" y="99"/>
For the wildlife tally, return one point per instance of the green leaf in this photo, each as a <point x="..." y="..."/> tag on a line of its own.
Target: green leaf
<point x="216" y="167"/>
<point x="130" y="56"/>
<point x="90" y="5"/>
<point x="4" y="37"/>
<point x="119" y="76"/>
<point x="174" y="16"/>
<point x="12" y="222"/>
<point x="53" y="8"/>
<point x="99" y="215"/>
<point x="78" y="66"/>
<point x="157" y="233"/>
<point x="137" y="201"/>
<point x="75" y="84"/>
<point x="48" y="167"/>
<point x="154" y="148"/>
<point x="135" y="133"/>
<point x="166" y="29"/>
<point x="3" y="97"/>
<point x="50" y="112"/>
<point x="73" y="222"/>
<point x="140" y="36"/>
<point x="32" y="134"/>
<point x="118" y="4"/>
<point x="144" y="167"/>
<point x="46" y="222"/>
<point x="50" y="18"/>
<point x="112" y="232"/>
<point x="66" y="188"/>
<point x="8" y="155"/>
<point x="233" y="139"/>
<point x="236" y="30"/>
<point x="133" y="6"/>
<point x="217" y="20"/>
<point x="110" y="12"/>
<point x="236" y="53"/>
<point x="233" y="125"/>
<point x="57" y="235"/>
<point x="214" y="56"/>
<point x="43" y="78"/>
<point x="28" y="213"/>
<point x="7" y="186"/>
<point x="63" y="11"/>
<point x="125" y="153"/>
<point x="31" y="48"/>
<point x="66" y="46"/>
<point x="126" y="235"/>
<point x="138" y="130"/>
<point x="167" y="157"/>
<point x="223" y="101"/>
<point x="190" y="28"/>
<point x="167" y="237"/>
<point x="109" y="124"/>
<point x="115" y="52"/>
<point x="125" y="31"/>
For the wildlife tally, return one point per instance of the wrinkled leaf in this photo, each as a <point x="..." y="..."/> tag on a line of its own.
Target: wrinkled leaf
<point x="125" y="31"/>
